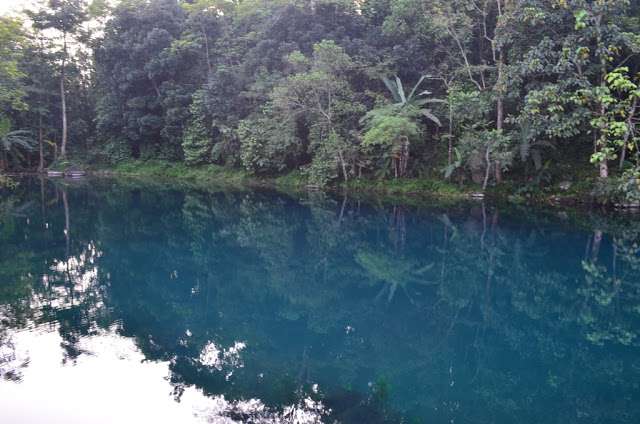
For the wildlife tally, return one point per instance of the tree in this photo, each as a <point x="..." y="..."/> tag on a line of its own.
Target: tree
<point x="393" y="127"/>
<point x="11" y="90"/>
<point x="41" y="86"/>
<point x="203" y="22"/>
<point x="145" y="97"/>
<point x="564" y="76"/>
<point x="319" y="94"/>
<point x="618" y="134"/>
<point x="601" y="40"/>
<point x="392" y="130"/>
<point x="65" y="17"/>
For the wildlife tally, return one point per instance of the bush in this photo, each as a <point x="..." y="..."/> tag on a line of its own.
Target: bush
<point x="628" y="186"/>
<point x="266" y="145"/>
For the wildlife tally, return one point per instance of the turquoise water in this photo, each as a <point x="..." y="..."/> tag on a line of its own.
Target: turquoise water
<point x="127" y="303"/>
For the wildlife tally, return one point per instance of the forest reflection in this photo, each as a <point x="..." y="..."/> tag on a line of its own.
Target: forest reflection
<point x="332" y="309"/>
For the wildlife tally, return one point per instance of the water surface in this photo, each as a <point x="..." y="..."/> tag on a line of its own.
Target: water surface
<point x="128" y="303"/>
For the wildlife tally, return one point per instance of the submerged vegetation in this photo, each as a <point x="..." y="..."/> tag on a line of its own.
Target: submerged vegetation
<point x="515" y="96"/>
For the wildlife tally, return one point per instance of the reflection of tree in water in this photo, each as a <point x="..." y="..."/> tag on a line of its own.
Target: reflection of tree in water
<point x="611" y="293"/>
<point x="499" y="317"/>
<point x="393" y="272"/>
<point x="12" y="361"/>
<point x="46" y="281"/>
<point x="16" y="280"/>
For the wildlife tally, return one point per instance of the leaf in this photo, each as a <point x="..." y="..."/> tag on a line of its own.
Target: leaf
<point x="421" y="102"/>
<point x="392" y="88"/>
<point x="415" y="87"/>
<point x="403" y="98"/>
<point x="427" y="113"/>
<point x="5" y="126"/>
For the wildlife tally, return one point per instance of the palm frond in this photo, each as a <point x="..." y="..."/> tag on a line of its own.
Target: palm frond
<point x="415" y="87"/>
<point x="21" y="139"/>
<point x="393" y="89"/>
<point x="403" y="98"/>
<point x="427" y="114"/>
<point x="421" y="102"/>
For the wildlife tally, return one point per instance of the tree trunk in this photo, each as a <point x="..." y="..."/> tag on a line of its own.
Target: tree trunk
<point x="40" y="145"/>
<point x="343" y="166"/>
<point x="604" y="169"/>
<point x="404" y="156"/>
<point x="487" y="158"/>
<point x="450" y="147"/>
<point x="40" y="103"/>
<point x="63" y="147"/>
<point x="500" y="110"/>
<point x="603" y="166"/>
<point x="206" y="49"/>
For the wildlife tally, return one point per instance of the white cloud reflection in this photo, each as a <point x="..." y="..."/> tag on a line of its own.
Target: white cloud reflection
<point x="215" y="357"/>
<point x="306" y="411"/>
<point x="112" y="382"/>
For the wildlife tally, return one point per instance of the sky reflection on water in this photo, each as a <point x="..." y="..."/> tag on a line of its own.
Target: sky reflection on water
<point x="112" y="382"/>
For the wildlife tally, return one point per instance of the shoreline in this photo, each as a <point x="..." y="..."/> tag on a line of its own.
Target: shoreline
<point x="409" y="190"/>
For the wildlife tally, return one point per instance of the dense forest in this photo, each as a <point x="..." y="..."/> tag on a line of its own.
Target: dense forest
<point x="487" y="93"/>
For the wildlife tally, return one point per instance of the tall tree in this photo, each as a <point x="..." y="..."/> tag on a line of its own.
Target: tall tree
<point x="41" y="86"/>
<point x="65" y="17"/>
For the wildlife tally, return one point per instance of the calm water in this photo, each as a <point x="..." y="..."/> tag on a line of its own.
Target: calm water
<point x="129" y="304"/>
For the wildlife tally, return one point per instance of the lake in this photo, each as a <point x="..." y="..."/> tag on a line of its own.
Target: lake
<point x="123" y="302"/>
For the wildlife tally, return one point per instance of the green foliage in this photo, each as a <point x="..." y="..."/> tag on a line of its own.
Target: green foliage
<point x="550" y="113"/>
<point x="12" y="91"/>
<point x="404" y="188"/>
<point x="204" y="177"/>
<point x="414" y="99"/>
<point x="13" y="143"/>
<point x="385" y="126"/>
<point x="197" y="142"/>
<point x="329" y="156"/>
<point x="393" y="272"/>
<point x="619" y="101"/>
<point x="268" y="145"/>
<point x="144" y="99"/>
<point x="317" y="100"/>
<point x="629" y="187"/>
<point x="483" y="150"/>
<point x="114" y="152"/>
<point x="390" y="131"/>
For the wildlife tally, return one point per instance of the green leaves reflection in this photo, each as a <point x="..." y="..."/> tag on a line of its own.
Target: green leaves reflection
<point x="394" y="272"/>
